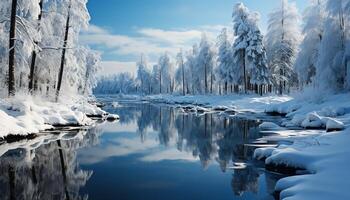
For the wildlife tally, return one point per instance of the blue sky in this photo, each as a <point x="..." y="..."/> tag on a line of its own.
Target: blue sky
<point x="124" y="29"/>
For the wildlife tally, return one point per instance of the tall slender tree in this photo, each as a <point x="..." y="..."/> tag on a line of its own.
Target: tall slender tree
<point x="34" y="53"/>
<point x="12" y="40"/>
<point x="64" y="49"/>
<point x="282" y="41"/>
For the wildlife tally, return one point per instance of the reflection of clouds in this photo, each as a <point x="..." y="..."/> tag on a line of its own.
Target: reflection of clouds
<point x="110" y="127"/>
<point x="168" y="154"/>
<point x="127" y="146"/>
<point x="118" y="147"/>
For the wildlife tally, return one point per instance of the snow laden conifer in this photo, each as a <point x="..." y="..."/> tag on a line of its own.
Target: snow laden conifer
<point x="143" y="76"/>
<point x="180" y="72"/>
<point x="249" y="54"/>
<point x="333" y="63"/>
<point x="282" y="41"/>
<point x="306" y="62"/>
<point x="257" y="61"/>
<point x="225" y="61"/>
<point x="241" y="27"/>
<point x="205" y="64"/>
<point x="165" y="75"/>
<point x="190" y="68"/>
<point x="155" y="79"/>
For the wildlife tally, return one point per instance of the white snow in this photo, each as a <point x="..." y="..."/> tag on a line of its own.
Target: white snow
<point x="23" y="115"/>
<point x="269" y="126"/>
<point x="324" y="155"/>
<point x="333" y="124"/>
<point x="112" y="117"/>
<point x="252" y="103"/>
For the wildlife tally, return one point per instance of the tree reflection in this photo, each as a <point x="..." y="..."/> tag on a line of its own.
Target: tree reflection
<point x="210" y="138"/>
<point x="50" y="171"/>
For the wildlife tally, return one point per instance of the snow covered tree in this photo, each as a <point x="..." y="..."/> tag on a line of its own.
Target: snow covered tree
<point x="93" y="64"/>
<point x="155" y="82"/>
<point x="34" y="52"/>
<point x="257" y="62"/>
<point x="225" y="59"/>
<point x="307" y="58"/>
<point x="165" y="76"/>
<point x="333" y="64"/>
<point x="180" y="73"/>
<point x="205" y="63"/>
<point x="282" y="41"/>
<point x="242" y="25"/>
<point x="143" y="76"/>
<point x="190" y="68"/>
<point x="248" y="50"/>
<point x="17" y="19"/>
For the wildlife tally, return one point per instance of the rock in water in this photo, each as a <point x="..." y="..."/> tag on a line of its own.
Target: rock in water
<point x="269" y="126"/>
<point x="112" y="117"/>
<point x="334" y="125"/>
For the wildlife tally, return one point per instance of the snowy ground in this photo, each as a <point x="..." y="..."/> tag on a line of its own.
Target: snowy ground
<point x="324" y="154"/>
<point x="251" y="103"/>
<point x="23" y="115"/>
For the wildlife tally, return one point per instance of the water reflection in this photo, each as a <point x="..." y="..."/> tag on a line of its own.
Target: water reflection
<point x="148" y="137"/>
<point x="212" y="138"/>
<point x="47" y="171"/>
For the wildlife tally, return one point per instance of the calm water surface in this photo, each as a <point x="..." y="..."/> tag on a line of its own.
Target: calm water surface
<point x="153" y="152"/>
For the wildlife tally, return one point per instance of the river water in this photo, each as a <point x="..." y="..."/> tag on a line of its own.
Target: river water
<point x="153" y="152"/>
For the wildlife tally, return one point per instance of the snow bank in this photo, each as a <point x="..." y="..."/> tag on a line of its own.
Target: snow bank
<point x="315" y="112"/>
<point x="325" y="156"/>
<point x="252" y="103"/>
<point x="23" y="115"/>
<point x="269" y="126"/>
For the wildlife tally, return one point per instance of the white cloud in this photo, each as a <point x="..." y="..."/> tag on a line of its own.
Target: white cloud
<point x="169" y="154"/>
<point x="114" y="67"/>
<point x="148" y="41"/>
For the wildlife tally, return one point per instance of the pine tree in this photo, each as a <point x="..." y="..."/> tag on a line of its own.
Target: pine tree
<point x="282" y="41"/>
<point x="225" y="59"/>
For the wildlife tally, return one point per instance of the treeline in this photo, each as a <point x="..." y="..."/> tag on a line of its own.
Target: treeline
<point x="39" y="49"/>
<point x="287" y="57"/>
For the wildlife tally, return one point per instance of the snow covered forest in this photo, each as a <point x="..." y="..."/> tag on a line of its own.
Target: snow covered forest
<point x="46" y="75"/>
<point x="299" y="50"/>
<point x="39" y="49"/>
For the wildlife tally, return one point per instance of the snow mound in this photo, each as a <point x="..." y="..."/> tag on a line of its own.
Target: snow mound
<point x="220" y="108"/>
<point x="313" y="120"/>
<point x="269" y="126"/>
<point x="112" y="117"/>
<point x="23" y="115"/>
<point x="202" y="109"/>
<point x="263" y="153"/>
<point x="334" y="125"/>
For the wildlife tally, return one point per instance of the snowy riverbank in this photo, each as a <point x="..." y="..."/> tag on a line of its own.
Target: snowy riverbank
<point x="24" y="115"/>
<point x="251" y="103"/>
<point x="323" y="154"/>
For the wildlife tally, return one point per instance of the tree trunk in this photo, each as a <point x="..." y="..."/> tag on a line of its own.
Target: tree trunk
<point x="205" y="79"/>
<point x="211" y="81"/>
<point x="12" y="39"/>
<point x="32" y="65"/>
<point x="60" y="75"/>
<point x="281" y="82"/>
<point x="160" y="82"/>
<point x="183" y="80"/>
<point x="63" y="168"/>
<point x="12" y="182"/>
<point x="226" y="87"/>
<point x="244" y="72"/>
